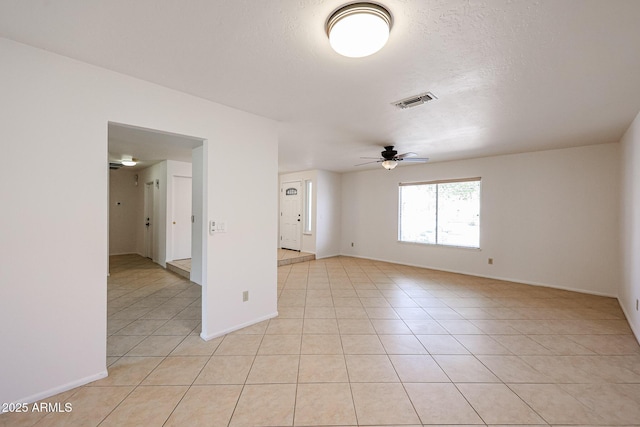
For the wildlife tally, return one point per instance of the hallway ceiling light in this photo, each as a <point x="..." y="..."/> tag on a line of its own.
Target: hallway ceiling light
<point x="128" y="161"/>
<point x="359" y="29"/>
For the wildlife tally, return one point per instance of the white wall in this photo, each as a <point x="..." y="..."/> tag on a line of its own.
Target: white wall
<point x="328" y="213"/>
<point x="55" y="111"/>
<point x="629" y="291"/>
<point x="123" y="211"/>
<point x="241" y="194"/>
<point x="548" y="218"/>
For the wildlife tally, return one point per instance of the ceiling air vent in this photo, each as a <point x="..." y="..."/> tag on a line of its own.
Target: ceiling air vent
<point x="114" y="165"/>
<point x="414" y="101"/>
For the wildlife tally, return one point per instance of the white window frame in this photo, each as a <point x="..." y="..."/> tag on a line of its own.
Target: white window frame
<point x="308" y="207"/>
<point x="444" y="181"/>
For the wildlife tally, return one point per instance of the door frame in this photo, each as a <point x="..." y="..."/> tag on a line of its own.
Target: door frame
<point x="148" y="218"/>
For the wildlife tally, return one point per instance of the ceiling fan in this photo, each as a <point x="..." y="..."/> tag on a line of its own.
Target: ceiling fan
<point x="390" y="158"/>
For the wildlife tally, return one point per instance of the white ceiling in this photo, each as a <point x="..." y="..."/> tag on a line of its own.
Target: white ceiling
<point x="511" y="75"/>
<point x="148" y="146"/>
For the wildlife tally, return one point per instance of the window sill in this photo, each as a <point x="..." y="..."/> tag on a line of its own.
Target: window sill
<point x="439" y="245"/>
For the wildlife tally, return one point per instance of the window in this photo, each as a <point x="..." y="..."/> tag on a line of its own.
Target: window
<point x="308" y="212"/>
<point x="441" y="212"/>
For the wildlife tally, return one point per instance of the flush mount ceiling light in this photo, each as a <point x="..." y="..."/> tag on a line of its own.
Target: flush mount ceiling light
<point x="128" y="161"/>
<point x="359" y="29"/>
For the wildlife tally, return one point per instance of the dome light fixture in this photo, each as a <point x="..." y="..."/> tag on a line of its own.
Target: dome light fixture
<point x="128" y="161"/>
<point x="389" y="164"/>
<point x="359" y="29"/>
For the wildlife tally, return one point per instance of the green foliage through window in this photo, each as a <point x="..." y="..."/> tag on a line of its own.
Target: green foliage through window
<point x="441" y="213"/>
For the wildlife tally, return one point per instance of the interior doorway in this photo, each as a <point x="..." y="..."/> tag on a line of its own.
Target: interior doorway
<point x="166" y="194"/>
<point x="159" y="157"/>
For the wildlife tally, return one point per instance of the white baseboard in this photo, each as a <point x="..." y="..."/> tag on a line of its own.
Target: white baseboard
<point x="61" y="389"/>
<point x="217" y="334"/>
<point x="635" y="331"/>
<point x="328" y="256"/>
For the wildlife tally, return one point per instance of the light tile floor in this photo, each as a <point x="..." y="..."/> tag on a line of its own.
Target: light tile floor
<point x="359" y="342"/>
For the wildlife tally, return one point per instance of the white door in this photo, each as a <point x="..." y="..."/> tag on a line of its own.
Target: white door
<point x="181" y="221"/>
<point x="290" y="215"/>
<point x="148" y="220"/>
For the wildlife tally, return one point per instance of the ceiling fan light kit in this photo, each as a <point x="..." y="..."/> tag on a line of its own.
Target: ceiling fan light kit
<point x="359" y="29"/>
<point x="389" y="164"/>
<point x="390" y="158"/>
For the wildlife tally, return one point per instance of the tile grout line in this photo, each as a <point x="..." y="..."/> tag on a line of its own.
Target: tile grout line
<point x="195" y="378"/>
<point x="304" y="310"/>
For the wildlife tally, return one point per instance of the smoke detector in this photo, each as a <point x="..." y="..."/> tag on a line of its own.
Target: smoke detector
<point x="414" y="101"/>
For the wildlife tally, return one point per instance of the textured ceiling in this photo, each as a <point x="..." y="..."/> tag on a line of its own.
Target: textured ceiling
<point x="511" y="75"/>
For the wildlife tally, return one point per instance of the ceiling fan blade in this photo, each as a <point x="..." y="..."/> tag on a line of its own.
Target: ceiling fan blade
<point x="367" y="163"/>
<point x="371" y="158"/>
<point x="404" y="155"/>
<point x="415" y="159"/>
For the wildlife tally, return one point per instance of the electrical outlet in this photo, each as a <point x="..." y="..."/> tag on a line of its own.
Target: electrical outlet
<point x="490" y="261"/>
<point x="245" y="296"/>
